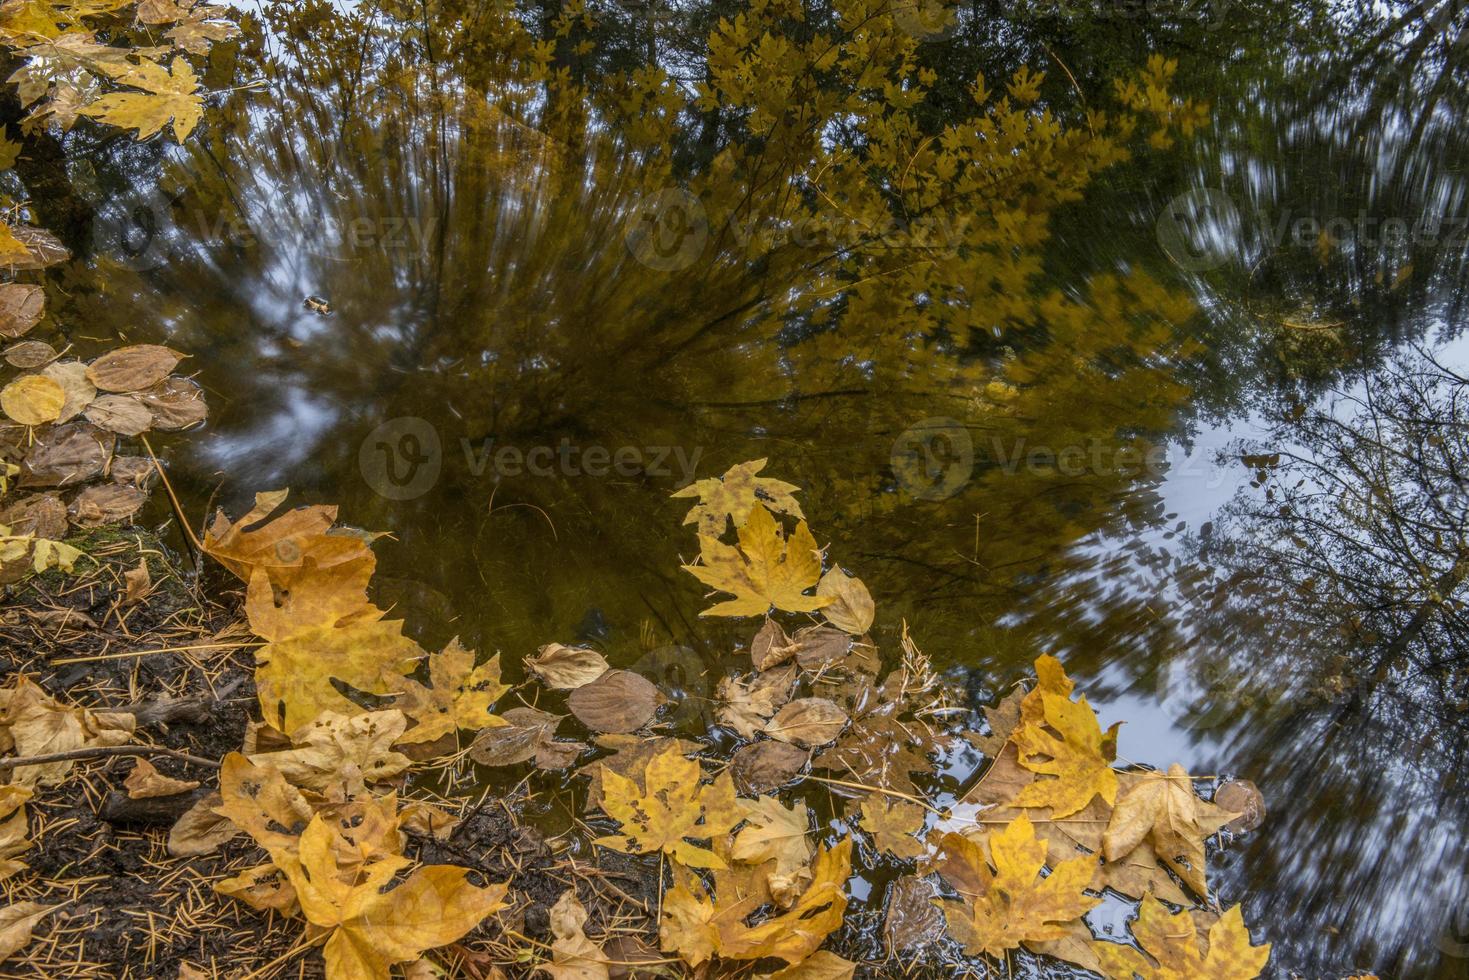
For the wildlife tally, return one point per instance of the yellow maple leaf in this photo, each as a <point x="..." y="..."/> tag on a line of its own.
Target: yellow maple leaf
<point x="1079" y="755"/>
<point x="371" y="929"/>
<point x="170" y="95"/>
<point x="774" y="833"/>
<point x="734" y="495"/>
<point x="765" y="570"/>
<point x="669" y="807"/>
<point x="699" y="925"/>
<point x="998" y="911"/>
<point x="1165" y="809"/>
<point x="460" y="695"/>
<point x="893" y="825"/>
<point x="1171" y="945"/>
<point x="294" y="676"/>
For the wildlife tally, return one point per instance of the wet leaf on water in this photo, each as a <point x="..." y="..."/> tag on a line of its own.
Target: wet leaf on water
<point x="767" y="765"/>
<point x="168" y="95"/>
<point x="819" y="646"/>
<point x="123" y="414"/>
<point x="1239" y="796"/>
<point x="1076" y="946"/>
<point x="176" y="403"/>
<point x="145" y="782"/>
<point x="29" y="354"/>
<point x="66" y="455"/>
<point x="747" y="704"/>
<point x="294" y="675"/>
<point x="42" y="249"/>
<point x="564" y="668"/>
<point x="136" y="471"/>
<point x="734" y="497"/>
<point x="820" y="965"/>
<point x="999" y="910"/>
<point x="21" y="308"/>
<point x="105" y="503"/>
<point x="774" y="832"/>
<point x="1165" y="810"/>
<point x="32" y="400"/>
<point x="851" y="608"/>
<point x="1171" y="948"/>
<point x="1003" y="719"/>
<point x="40" y="514"/>
<point x="767" y="569"/>
<point x="771" y="646"/>
<point x="619" y="701"/>
<point x="911" y="918"/>
<point x="132" y="368"/>
<point x="459" y="696"/>
<point x="666" y="806"/>
<point x="528" y="734"/>
<point x="894" y="824"/>
<point x="630" y="756"/>
<point x="72" y="376"/>
<point x="807" y="722"/>
<point x="1079" y="755"/>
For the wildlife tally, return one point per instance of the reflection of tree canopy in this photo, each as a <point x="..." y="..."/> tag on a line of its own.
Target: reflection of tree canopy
<point x="866" y="265"/>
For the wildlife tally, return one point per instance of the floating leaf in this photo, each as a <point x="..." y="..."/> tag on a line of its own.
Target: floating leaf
<point x="565" y="668"/>
<point x="748" y="704"/>
<point x="618" y="701"/>
<point x="123" y="414"/>
<point x="1080" y="758"/>
<point x="170" y="95"/>
<point x="67" y="455"/>
<point x="771" y="647"/>
<point x="106" y="503"/>
<point x="32" y="400"/>
<point x="21" y="308"/>
<point x="851" y="608"/>
<point x="807" y="722"/>
<point x="912" y="918"/>
<point x="777" y="834"/>
<point x="132" y="368"/>
<point x="1171" y="948"/>
<point x="460" y="695"/>
<point x="72" y="376"/>
<point x="766" y="570"/>
<point x="763" y="766"/>
<point x="176" y="403"/>
<point x="734" y="497"/>
<point x="894" y="825"/>
<point x="668" y="807"/>
<point x="528" y="734"/>
<point x="1165" y="810"/>
<point x="30" y="354"/>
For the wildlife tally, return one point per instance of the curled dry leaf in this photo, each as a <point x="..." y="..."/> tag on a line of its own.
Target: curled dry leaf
<point x="771" y="646"/>
<point x="37" y="724"/>
<point x="132" y="368"/>
<point x="123" y="414"/>
<point x="72" y="376"/>
<point x="851" y="609"/>
<point x="21" y="308"/>
<point x="766" y="765"/>
<point x="564" y="668"/>
<point x="32" y="400"/>
<point x="807" y="722"/>
<point x="146" y="782"/>
<point x="748" y="703"/>
<point x="106" y="503"/>
<point x="17" y="923"/>
<point x="66" y="455"/>
<point x="137" y="583"/>
<point x="30" y="354"/>
<point x="618" y="701"/>
<point x="176" y="403"/>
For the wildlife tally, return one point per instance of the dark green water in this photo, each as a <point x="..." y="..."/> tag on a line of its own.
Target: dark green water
<point x="502" y="384"/>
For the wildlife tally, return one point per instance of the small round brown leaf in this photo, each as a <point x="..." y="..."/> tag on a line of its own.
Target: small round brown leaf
<point x="817" y="646"/>
<point x="133" y="368"/>
<point x="1244" y="798"/>
<point x="176" y="403"/>
<point x="32" y="400"/>
<point x="566" y="668"/>
<point x="618" y="701"/>
<point x="106" y="503"/>
<point x="123" y="414"/>
<point x="807" y="722"/>
<point x="30" y="354"/>
<point x="21" y="308"/>
<point x="765" y="766"/>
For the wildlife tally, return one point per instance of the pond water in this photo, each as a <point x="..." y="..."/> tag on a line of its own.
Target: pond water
<point x="503" y="369"/>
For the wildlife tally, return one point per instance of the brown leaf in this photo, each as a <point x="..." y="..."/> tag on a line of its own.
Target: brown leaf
<point x="1236" y="796"/>
<point x="818" y="646"/>
<point x="820" y="965"/>
<point x="146" y="782"/>
<point x="29" y="354"/>
<point x="132" y="368"/>
<point x="771" y="646"/>
<point x="201" y="830"/>
<point x="529" y="735"/>
<point x="767" y="765"/>
<point x="41" y="514"/>
<point x="137" y="583"/>
<point x="912" y="918"/>
<point x="807" y="722"/>
<point x="43" y="249"/>
<point x="123" y="414"/>
<point x="66" y="455"/>
<point x="72" y="376"/>
<point x="893" y="825"/>
<point x="16" y="923"/>
<point x="176" y="403"/>
<point x="747" y="704"/>
<point x="106" y="503"/>
<point x="564" y="668"/>
<point x="618" y="701"/>
<point x="1165" y="810"/>
<point x="851" y="609"/>
<point x="136" y="471"/>
<point x="21" y="308"/>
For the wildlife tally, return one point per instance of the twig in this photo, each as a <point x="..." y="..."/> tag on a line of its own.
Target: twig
<point x="886" y="792"/>
<point x="103" y="752"/>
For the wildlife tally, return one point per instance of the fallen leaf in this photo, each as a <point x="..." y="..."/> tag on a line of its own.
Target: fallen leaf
<point x="175" y="403"/>
<point x="337" y="749"/>
<point x="807" y="722"/>
<point x="773" y="832"/>
<point x="668" y="807"/>
<point x="911" y="919"/>
<point x="746" y="705"/>
<point x="201" y="829"/>
<point x="72" y="376"/>
<point x="767" y="765"/>
<point x="766" y="570"/>
<point x="630" y="756"/>
<point x="1080" y="758"/>
<point x="1238" y="796"/>
<point x="618" y="701"/>
<point x="106" y="503"/>
<point x="564" y="668"/>
<point x="32" y="400"/>
<point x="42" y="249"/>
<point x="573" y="955"/>
<point x="999" y="910"/>
<point x="14" y="830"/>
<point x="137" y="583"/>
<point x="145" y="782"/>
<point x="21" y="307"/>
<point x="818" y="647"/>
<point x="38" y="724"/>
<point x="42" y="515"/>
<point x="528" y="734"/>
<point x="820" y="965"/>
<point x="170" y="95"/>
<point x="851" y="608"/>
<point x="1170" y="948"/>
<point x="894" y="825"/>
<point x="123" y="414"/>
<point x="735" y="495"/>
<point x="427" y="820"/>
<point x="294" y="676"/>
<point x="1165" y="810"/>
<point x="132" y="368"/>
<point x="16" y="924"/>
<point x="29" y="354"/>
<point x="460" y="695"/>
<point x="771" y="647"/>
<point x="66" y="455"/>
